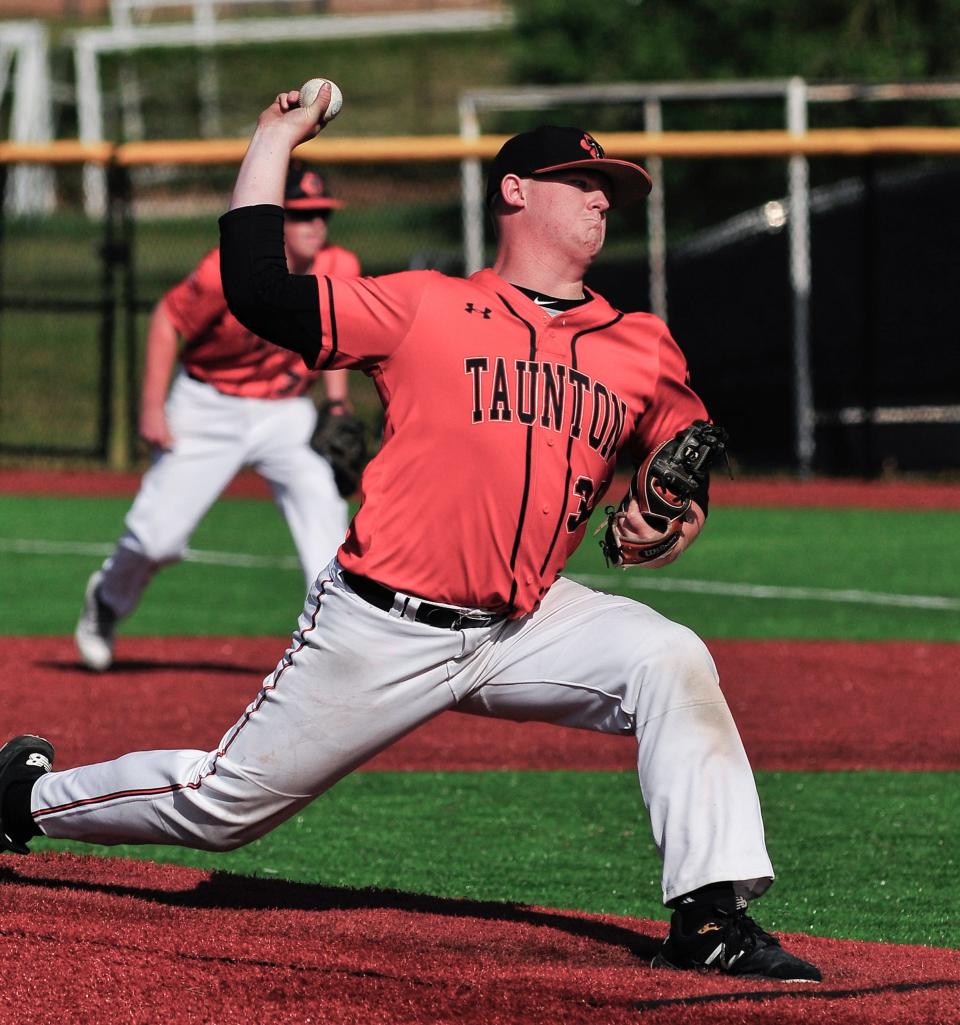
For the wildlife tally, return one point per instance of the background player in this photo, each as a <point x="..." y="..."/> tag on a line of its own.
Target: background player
<point x="236" y="400"/>
<point x="508" y="396"/>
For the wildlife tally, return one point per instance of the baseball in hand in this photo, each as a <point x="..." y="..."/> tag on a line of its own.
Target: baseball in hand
<point x="310" y="90"/>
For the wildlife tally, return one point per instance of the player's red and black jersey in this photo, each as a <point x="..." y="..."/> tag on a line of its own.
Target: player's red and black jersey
<point x="219" y="350"/>
<point x="502" y="422"/>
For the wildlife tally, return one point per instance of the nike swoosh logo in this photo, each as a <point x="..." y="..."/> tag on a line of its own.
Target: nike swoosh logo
<point x="539" y="303"/>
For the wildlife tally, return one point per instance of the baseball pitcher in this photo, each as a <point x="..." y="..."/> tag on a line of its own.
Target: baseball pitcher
<point x="508" y="397"/>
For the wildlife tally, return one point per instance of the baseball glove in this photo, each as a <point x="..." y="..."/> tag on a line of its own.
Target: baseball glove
<point x="342" y="440"/>
<point x="663" y="488"/>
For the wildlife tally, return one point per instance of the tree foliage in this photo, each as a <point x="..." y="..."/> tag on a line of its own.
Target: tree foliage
<point x="643" y="40"/>
<point x="568" y="41"/>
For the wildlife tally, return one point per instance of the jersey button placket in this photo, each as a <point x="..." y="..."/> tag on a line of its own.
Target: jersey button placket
<point x="540" y="437"/>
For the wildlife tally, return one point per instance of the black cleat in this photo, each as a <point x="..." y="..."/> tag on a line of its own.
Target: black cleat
<point x="731" y="943"/>
<point x="22" y="760"/>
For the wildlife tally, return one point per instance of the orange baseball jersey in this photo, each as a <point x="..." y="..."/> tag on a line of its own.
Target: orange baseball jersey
<point x="502" y="427"/>
<point x="221" y="351"/>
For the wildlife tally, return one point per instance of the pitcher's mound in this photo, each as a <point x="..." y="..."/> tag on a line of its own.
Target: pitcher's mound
<point x="108" y="940"/>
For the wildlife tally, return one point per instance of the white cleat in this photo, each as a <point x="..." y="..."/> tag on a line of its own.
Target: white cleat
<point x="94" y="632"/>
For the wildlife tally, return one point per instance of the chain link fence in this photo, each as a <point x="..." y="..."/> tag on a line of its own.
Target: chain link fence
<point x="76" y="293"/>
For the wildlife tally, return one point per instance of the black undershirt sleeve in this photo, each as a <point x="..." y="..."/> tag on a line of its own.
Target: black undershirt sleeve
<point x="281" y="307"/>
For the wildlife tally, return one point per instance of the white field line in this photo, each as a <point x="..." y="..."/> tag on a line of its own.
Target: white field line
<point x="634" y="580"/>
<point x="20" y="546"/>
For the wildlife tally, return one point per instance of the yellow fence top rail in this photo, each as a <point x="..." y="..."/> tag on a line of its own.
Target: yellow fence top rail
<point x="437" y="148"/>
<point x="69" y="151"/>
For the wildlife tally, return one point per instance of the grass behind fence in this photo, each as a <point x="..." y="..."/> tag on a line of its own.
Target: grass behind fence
<point x="391" y="85"/>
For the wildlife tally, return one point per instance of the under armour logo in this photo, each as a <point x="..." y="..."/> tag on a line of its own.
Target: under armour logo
<point x="36" y="760"/>
<point x="485" y="312"/>
<point x="590" y="144"/>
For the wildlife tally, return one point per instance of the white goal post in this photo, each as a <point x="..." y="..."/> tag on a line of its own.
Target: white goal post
<point x="206" y="32"/>
<point x="25" y="74"/>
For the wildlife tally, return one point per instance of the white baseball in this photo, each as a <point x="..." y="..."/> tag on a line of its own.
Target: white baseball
<point x="311" y="89"/>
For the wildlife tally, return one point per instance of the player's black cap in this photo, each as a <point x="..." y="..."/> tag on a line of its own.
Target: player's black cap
<point x="554" y="148"/>
<point x="306" y="189"/>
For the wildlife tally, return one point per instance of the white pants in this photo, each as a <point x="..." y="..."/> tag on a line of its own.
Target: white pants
<point x="215" y="436"/>
<point x="355" y="679"/>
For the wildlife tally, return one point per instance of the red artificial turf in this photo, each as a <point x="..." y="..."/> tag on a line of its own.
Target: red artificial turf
<point x="87" y="940"/>
<point x="107" y="940"/>
<point x="818" y="705"/>
<point x="819" y="492"/>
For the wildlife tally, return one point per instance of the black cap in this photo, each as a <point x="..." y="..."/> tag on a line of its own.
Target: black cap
<point x="306" y="189"/>
<point x="553" y="148"/>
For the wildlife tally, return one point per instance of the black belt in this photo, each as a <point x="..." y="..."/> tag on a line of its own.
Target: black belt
<point x="432" y="615"/>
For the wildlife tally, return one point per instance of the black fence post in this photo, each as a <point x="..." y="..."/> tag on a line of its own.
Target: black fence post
<point x="115" y="253"/>
<point x="128" y="291"/>
<point x="107" y="318"/>
<point x="3" y="302"/>
<point x="869" y="341"/>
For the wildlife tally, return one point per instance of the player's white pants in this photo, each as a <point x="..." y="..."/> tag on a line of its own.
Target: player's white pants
<point x="355" y="679"/>
<point x="215" y="436"/>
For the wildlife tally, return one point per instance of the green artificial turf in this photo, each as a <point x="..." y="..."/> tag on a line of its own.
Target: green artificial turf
<point x="869" y="855"/>
<point x="885" y="552"/>
<point x="859" y="855"/>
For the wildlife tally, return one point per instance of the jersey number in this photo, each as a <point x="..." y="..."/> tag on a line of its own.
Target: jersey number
<point x="583" y="490"/>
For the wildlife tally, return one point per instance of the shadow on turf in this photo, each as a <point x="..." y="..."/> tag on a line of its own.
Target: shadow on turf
<point x="808" y="992"/>
<point x="245" y="893"/>
<point x="157" y="665"/>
